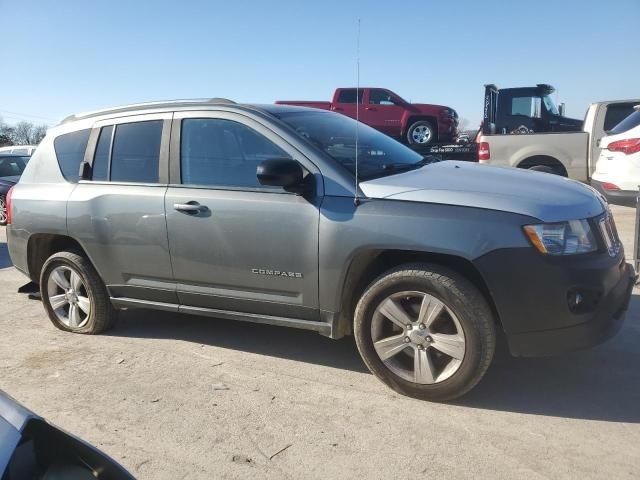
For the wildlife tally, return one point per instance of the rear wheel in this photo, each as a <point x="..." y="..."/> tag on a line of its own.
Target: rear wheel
<point x="425" y="331"/>
<point x="74" y="296"/>
<point x="3" y="211"/>
<point x="421" y="133"/>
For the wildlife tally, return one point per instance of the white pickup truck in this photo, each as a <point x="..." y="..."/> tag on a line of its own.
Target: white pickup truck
<point x="523" y="128"/>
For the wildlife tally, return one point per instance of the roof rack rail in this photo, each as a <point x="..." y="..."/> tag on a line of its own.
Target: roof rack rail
<point x="147" y="105"/>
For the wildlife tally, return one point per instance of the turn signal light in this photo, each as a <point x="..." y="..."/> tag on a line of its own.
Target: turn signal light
<point x="484" y="152"/>
<point x="628" y="146"/>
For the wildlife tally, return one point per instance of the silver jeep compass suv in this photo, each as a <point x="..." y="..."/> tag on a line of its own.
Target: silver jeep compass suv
<point x="296" y="217"/>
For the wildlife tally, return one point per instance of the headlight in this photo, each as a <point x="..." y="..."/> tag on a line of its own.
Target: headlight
<point x="564" y="238"/>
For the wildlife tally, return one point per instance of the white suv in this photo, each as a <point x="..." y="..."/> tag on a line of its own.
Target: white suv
<point x="617" y="173"/>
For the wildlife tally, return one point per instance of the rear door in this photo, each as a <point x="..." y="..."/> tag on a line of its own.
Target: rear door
<point x="346" y="104"/>
<point x="117" y="214"/>
<point x="248" y="248"/>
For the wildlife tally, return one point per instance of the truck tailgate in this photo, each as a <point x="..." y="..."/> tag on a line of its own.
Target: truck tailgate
<point x="569" y="148"/>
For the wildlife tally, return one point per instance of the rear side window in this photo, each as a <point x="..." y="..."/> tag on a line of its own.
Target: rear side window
<point x="70" y="149"/>
<point x="349" y="96"/>
<point x="135" y="152"/>
<point x="621" y="118"/>
<point x="102" y="155"/>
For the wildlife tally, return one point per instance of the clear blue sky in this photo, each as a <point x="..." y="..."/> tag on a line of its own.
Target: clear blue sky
<point x="70" y="56"/>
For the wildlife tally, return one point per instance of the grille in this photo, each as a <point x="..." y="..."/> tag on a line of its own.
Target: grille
<point x="609" y="234"/>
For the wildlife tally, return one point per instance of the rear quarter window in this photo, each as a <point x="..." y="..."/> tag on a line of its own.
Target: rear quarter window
<point x="70" y="149"/>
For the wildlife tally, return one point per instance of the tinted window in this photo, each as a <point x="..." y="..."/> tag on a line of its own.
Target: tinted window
<point x="526" y="106"/>
<point x="378" y="155"/>
<point x="380" y="97"/>
<point x="70" y="149"/>
<point x="349" y="96"/>
<point x="12" y="166"/>
<point x="223" y="153"/>
<point x="101" y="158"/>
<point x="136" y="152"/>
<point x="615" y="115"/>
<point x="628" y="123"/>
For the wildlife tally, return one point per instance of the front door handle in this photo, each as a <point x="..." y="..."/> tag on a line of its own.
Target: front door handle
<point x="190" y="207"/>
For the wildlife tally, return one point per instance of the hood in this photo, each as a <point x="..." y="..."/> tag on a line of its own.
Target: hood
<point x="9" y="181"/>
<point x="549" y="198"/>
<point x="428" y="107"/>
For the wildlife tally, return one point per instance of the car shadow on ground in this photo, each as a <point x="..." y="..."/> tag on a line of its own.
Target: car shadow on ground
<point x="598" y="384"/>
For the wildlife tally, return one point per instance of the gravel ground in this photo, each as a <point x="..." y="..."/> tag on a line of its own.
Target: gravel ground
<point x="174" y="396"/>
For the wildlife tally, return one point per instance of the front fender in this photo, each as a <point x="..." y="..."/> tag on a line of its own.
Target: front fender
<point x="348" y="232"/>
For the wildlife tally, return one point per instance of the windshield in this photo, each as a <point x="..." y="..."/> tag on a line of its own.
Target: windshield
<point x="551" y="107"/>
<point x="628" y="123"/>
<point x="335" y="134"/>
<point x="12" y="166"/>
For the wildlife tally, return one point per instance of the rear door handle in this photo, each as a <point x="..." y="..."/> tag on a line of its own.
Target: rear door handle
<point x="370" y="108"/>
<point x="190" y="207"/>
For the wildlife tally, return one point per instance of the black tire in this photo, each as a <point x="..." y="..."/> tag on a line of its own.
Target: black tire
<point x="102" y="315"/>
<point x="545" y="169"/>
<point x="459" y="295"/>
<point x="3" y="211"/>
<point x="422" y="123"/>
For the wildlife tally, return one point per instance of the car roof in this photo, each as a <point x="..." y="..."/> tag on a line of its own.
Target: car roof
<point x="195" y="104"/>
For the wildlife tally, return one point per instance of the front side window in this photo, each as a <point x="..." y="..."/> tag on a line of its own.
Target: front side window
<point x="135" y="153"/>
<point x="216" y="152"/>
<point x="348" y="95"/>
<point x="70" y="149"/>
<point x="380" y="97"/>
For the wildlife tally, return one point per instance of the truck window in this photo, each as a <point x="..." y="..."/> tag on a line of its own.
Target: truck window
<point x="380" y="97"/>
<point x="526" y="106"/>
<point x="628" y="123"/>
<point x="348" y="95"/>
<point x="616" y="113"/>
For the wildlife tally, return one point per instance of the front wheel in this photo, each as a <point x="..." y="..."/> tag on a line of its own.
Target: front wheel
<point x="421" y="133"/>
<point x="425" y="331"/>
<point x="3" y="211"/>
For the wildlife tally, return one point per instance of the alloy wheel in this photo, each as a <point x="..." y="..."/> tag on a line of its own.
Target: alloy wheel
<point x="3" y="211"/>
<point x="421" y="134"/>
<point x="418" y="337"/>
<point x="68" y="297"/>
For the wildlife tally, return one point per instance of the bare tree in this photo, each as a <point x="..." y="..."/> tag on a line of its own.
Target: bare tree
<point x="463" y="124"/>
<point x="26" y="133"/>
<point x="6" y="134"/>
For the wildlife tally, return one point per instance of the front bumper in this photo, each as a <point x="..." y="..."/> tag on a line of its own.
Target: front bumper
<point x="531" y="294"/>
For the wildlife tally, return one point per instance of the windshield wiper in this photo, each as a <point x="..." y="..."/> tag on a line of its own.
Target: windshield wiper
<point x="399" y="167"/>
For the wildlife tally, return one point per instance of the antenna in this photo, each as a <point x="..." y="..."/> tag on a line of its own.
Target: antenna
<point x="356" y="200"/>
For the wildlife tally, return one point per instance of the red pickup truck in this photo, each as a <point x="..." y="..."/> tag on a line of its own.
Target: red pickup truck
<point x="413" y="123"/>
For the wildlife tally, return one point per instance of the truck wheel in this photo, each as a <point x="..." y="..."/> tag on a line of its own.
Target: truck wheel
<point x="74" y="296"/>
<point x="421" y="133"/>
<point x="425" y="331"/>
<point x="545" y="169"/>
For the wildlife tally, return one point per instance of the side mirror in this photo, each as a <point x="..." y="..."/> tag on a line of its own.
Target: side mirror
<point x="561" y="109"/>
<point x="280" y="172"/>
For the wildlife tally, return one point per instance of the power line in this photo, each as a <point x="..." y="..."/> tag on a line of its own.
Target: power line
<point x="22" y="115"/>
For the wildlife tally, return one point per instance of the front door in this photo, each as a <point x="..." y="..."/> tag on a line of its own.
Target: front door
<point x="383" y="112"/>
<point x="236" y="245"/>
